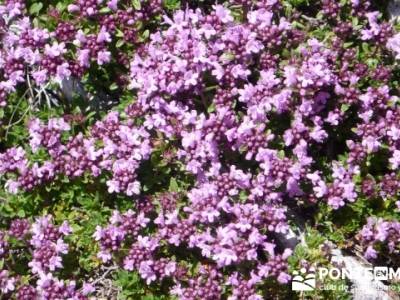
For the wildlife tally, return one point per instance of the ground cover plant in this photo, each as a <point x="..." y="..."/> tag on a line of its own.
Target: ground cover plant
<point x="165" y="149"/>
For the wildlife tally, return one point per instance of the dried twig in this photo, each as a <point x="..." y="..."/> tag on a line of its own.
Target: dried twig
<point x="9" y="125"/>
<point x="108" y="270"/>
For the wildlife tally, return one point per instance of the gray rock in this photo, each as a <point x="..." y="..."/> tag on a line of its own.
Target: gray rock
<point x="394" y="9"/>
<point x="100" y="101"/>
<point x="71" y="87"/>
<point x="363" y="288"/>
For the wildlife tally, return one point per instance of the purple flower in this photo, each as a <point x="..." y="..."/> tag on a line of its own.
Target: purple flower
<point x="335" y="202"/>
<point x="12" y="186"/>
<point x="7" y="283"/>
<point x="371" y="143"/>
<point x="55" y="50"/>
<point x="112" y="4"/>
<point x="103" y="57"/>
<point x="395" y="159"/>
<point x="223" y="14"/>
<point x="84" y="57"/>
<point x="113" y="186"/>
<point x="225" y="257"/>
<point x="393" y="44"/>
<point x="87" y="288"/>
<point x="283" y="278"/>
<point x="40" y="77"/>
<point x="72" y="8"/>
<point x="370" y="253"/>
<point x="63" y="71"/>
<point x="103" y="36"/>
<point x="146" y="271"/>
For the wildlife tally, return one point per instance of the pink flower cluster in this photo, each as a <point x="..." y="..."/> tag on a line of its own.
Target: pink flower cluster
<point x="223" y="232"/>
<point x="28" y="53"/>
<point x="258" y="114"/>
<point x="46" y="243"/>
<point x="114" y="146"/>
<point x="380" y="233"/>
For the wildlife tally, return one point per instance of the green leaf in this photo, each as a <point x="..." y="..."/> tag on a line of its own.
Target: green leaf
<point x="173" y="185"/>
<point x="371" y="62"/>
<point x="105" y="10"/>
<point x="211" y="108"/>
<point x="61" y="6"/>
<point x="136" y="4"/>
<point x="298" y="2"/>
<point x="348" y="44"/>
<point x="119" y="34"/>
<point x="344" y="107"/>
<point x="354" y="22"/>
<point x="365" y="47"/>
<point x="21" y="213"/>
<point x="120" y="43"/>
<point x="172" y="4"/>
<point x="146" y="34"/>
<point x="35" y="8"/>
<point x="113" y="86"/>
